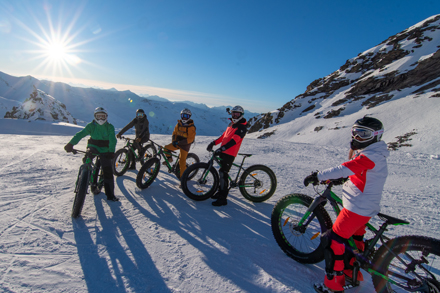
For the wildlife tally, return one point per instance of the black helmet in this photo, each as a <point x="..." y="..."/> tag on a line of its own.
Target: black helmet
<point x="140" y="113"/>
<point x="366" y="131"/>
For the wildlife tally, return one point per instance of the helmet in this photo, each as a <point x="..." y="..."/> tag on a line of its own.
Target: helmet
<point x="365" y="131"/>
<point x="237" y="113"/>
<point x="100" y="115"/>
<point x="140" y="113"/>
<point x="185" y="114"/>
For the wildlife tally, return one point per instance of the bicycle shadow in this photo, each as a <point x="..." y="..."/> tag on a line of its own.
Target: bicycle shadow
<point x="117" y="267"/>
<point x="210" y="231"/>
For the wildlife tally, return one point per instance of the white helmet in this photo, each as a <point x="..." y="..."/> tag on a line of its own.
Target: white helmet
<point x="185" y="114"/>
<point x="100" y="115"/>
<point x="237" y="113"/>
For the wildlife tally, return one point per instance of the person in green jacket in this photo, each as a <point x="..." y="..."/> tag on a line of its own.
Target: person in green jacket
<point x="102" y="141"/>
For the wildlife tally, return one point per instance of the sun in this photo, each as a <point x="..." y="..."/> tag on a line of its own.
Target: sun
<point x="57" y="51"/>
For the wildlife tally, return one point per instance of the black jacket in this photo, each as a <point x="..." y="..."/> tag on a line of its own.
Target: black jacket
<point x="142" y="128"/>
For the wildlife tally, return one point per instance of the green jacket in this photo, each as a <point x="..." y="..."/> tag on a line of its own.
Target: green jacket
<point x="104" y="133"/>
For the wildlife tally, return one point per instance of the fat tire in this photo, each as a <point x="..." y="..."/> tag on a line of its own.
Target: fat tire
<point x="383" y="258"/>
<point x="192" y="175"/>
<point x="153" y="163"/>
<point x="125" y="164"/>
<point x="278" y="223"/>
<point x="190" y="156"/>
<point x="80" y="195"/>
<point x="149" y="152"/>
<point x="272" y="187"/>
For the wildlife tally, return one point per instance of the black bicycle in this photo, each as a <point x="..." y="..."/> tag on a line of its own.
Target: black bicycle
<point x="402" y="264"/>
<point x="150" y="169"/>
<point x="90" y="173"/>
<point x="257" y="183"/>
<point x="124" y="157"/>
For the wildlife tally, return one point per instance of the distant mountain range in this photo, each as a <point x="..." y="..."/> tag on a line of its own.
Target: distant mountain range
<point x="80" y="102"/>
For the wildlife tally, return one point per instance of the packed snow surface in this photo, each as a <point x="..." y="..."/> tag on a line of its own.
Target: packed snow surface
<point x="157" y="239"/>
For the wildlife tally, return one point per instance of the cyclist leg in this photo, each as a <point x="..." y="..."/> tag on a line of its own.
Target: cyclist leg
<point x="222" y="192"/>
<point x="109" y="181"/>
<point x="167" y="149"/>
<point x="346" y="225"/>
<point x="182" y="160"/>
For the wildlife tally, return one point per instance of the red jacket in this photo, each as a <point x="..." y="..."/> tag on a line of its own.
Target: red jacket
<point x="232" y="137"/>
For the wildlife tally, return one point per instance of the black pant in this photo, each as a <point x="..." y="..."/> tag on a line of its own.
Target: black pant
<point x="139" y="147"/>
<point x="226" y="164"/>
<point x="105" y="162"/>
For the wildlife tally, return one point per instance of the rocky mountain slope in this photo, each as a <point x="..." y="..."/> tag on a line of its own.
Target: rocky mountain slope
<point x="41" y="106"/>
<point x="406" y="65"/>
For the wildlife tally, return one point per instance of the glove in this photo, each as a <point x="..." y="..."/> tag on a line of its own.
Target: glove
<point x="210" y="146"/>
<point x="175" y="143"/>
<point x="339" y="181"/>
<point x="68" y="147"/>
<point x="312" y="178"/>
<point x="118" y="135"/>
<point x="138" y="139"/>
<point x="218" y="151"/>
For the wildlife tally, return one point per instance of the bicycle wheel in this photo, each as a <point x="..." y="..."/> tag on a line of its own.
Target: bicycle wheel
<point x="190" y="160"/>
<point x="414" y="262"/>
<point x="121" y="161"/>
<point x="149" y="152"/>
<point x="148" y="173"/>
<point x="258" y="183"/>
<point x="303" y="244"/>
<point x="203" y="182"/>
<point x="81" y="191"/>
<point x="98" y="178"/>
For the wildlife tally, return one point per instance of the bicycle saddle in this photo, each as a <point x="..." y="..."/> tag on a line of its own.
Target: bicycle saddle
<point x="246" y="155"/>
<point x="392" y="220"/>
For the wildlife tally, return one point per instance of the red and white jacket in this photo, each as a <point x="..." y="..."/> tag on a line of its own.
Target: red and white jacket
<point x="367" y="171"/>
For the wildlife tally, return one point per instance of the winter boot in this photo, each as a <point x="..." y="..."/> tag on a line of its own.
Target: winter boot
<point x="321" y="288"/>
<point x="170" y="160"/>
<point x="221" y="201"/>
<point x="335" y="281"/>
<point x="109" y="191"/>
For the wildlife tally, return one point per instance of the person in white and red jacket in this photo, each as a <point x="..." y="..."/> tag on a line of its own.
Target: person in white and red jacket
<point x="367" y="171"/>
<point x="230" y="141"/>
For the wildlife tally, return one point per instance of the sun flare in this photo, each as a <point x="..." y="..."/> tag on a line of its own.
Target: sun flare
<point x="56" y="51"/>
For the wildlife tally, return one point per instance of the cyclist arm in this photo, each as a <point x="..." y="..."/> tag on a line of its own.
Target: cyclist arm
<point x="81" y="134"/>
<point x="357" y="165"/>
<point x="127" y="127"/>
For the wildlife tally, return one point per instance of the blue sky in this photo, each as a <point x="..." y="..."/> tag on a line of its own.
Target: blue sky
<point x="258" y="54"/>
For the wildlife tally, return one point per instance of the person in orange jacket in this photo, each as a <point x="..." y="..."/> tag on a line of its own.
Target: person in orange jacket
<point x="183" y="136"/>
<point x="230" y="141"/>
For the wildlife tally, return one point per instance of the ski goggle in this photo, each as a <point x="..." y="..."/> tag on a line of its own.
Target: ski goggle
<point x="140" y="114"/>
<point x="236" y="115"/>
<point x="100" y="116"/>
<point x="185" y="116"/>
<point x="365" y="133"/>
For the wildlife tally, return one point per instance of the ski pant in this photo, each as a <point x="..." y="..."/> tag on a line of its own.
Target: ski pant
<point x="182" y="156"/>
<point x="347" y="224"/>
<point x="226" y="164"/>
<point x="139" y="147"/>
<point x="105" y="162"/>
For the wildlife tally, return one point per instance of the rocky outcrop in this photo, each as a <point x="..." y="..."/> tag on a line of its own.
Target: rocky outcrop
<point x="407" y="60"/>
<point x="41" y="106"/>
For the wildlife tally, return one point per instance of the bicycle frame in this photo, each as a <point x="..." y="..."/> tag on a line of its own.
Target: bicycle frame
<point x="162" y="153"/>
<point x="90" y="169"/>
<point x="129" y="146"/>
<point x="233" y="183"/>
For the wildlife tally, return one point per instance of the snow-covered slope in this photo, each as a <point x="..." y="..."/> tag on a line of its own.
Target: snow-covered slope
<point x="158" y="240"/>
<point x="394" y="81"/>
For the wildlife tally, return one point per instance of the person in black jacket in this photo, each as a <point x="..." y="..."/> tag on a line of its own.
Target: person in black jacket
<point x="142" y="131"/>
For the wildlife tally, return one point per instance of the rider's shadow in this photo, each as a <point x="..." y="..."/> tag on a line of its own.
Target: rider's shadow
<point x="130" y="265"/>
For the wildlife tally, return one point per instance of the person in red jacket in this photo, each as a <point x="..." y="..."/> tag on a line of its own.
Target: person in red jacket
<point x="230" y="141"/>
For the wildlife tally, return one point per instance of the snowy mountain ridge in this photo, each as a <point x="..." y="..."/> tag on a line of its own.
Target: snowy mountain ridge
<point x="396" y="79"/>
